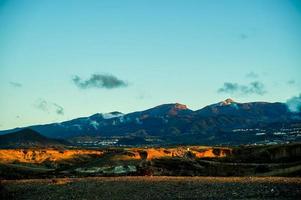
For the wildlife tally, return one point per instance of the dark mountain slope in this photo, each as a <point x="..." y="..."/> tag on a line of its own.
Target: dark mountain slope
<point x="28" y="138"/>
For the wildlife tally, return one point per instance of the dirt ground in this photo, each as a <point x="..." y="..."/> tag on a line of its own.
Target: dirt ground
<point x="153" y="188"/>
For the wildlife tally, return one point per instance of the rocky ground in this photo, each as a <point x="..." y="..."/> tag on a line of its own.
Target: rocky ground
<point x="151" y="187"/>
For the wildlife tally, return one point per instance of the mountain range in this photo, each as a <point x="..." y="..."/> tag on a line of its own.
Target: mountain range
<point x="225" y="122"/>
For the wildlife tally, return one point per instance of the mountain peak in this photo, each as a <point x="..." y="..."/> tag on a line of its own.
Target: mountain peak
<point x="179" y="106"/>
<point x="227" y="102"/>
<point x="112" y="115"/>
<point x="174" y="109"/>
<point x="167" y="109"/>
<point x="101" y="116"/>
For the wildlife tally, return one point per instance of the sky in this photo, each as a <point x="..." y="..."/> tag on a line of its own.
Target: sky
<point x="63" y="59"/>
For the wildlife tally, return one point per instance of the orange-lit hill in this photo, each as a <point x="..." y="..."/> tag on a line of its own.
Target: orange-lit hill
<point x="42" y="155"/>
<point x="38" y="156"/>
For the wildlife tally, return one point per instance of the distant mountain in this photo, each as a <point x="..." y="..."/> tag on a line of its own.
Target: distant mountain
<point x="164" y="110"/>
<point x="175" y="123"/>
<point x="256" y="110"/>
<point x="27" y="138"/>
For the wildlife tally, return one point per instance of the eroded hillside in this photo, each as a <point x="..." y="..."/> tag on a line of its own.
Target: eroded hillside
<point x="38" y="156"/>
<point x="274" y="160"/>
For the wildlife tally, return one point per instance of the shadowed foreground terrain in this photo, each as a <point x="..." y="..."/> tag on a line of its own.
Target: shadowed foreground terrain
<point x="153" y="188"/>
<point x="267" y="160"/>
<point x="181" y="172"/>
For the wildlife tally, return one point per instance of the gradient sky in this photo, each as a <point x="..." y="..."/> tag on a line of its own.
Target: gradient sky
<point x="164" y="50"/>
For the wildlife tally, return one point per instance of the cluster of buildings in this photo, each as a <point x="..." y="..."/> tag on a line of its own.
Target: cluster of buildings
<point x="98" y="142"/>
<point x="273" y="136"/>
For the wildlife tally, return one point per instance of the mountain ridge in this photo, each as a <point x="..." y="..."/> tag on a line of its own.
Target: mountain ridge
<point x="173" y="121"/>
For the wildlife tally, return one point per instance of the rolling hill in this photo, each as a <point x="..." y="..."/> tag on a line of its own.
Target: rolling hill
<point x="27" y="138"/>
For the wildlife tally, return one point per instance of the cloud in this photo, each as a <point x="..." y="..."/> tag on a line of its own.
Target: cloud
<point x="42" y="105"/>
<point x="58" y="109"/>
<point x="294" y="103"/>
<point x="99" y="81"/>
<point x="243" y="36"/>
<point x="229" y="87"/>
<point x="291" y="82"/>
<point x="252" y="75"/>
<point x="255" y="87"/>
<point x="48" y="107"/>
<point x="15" y="84"/>
<point x="143" y="96"/>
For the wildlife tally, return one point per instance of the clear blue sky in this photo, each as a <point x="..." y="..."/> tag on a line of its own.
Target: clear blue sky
<point x="164" y="50"/>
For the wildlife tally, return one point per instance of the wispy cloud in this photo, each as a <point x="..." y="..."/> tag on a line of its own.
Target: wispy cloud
<point x="294" y="103"/>
<point x="58" y="109"/>
<point x="143" y="96"/>
<point x="291" y="82"/>
<point x="41" y="104"/>
<point x="15" y="84"/>
<point x="48" y="107"/>
<point x="99" y="81"/>
<point x="252" y="75"/>
<point x="255" y="87"/>
<point x="243" y="36"/>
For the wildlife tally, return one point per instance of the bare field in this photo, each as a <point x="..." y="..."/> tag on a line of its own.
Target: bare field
<point x="152" y="187"/>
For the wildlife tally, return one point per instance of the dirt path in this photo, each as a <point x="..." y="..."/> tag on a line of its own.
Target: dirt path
<point x="154" y="188"/>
